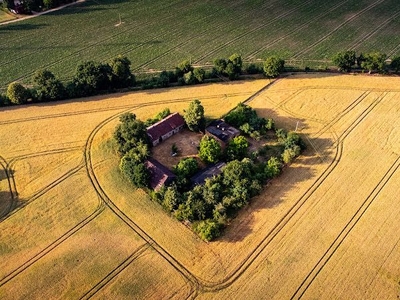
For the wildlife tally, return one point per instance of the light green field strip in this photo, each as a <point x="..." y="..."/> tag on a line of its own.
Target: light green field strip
<point x="5" y="16"/>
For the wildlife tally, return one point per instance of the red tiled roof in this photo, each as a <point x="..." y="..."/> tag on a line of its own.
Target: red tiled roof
<point x="164" y="126"/>
<point x="160" y="174"/>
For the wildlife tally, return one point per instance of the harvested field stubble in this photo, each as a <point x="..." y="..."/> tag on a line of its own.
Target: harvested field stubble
<point x="330" y="216"/>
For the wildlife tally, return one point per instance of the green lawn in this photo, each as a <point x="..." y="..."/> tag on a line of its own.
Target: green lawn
<point x="160" y="34"/>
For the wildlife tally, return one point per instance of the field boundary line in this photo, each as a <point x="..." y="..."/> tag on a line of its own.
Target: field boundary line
<point x="323" y="38"/>
<point x="346" y="231"/>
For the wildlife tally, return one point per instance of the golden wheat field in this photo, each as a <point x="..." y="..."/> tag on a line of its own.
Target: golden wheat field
<point x="328" y="228"/>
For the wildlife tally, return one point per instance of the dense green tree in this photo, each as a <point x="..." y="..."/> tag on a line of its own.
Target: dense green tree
<point x="210" y="150"/>
<point x="273" y="66"/>
<point x="374" y="61"/>
<point x="17" y="93"/>
<point x="189" y="78"/>
<point x="220" y="65"/>
<point x="185" y="67"/>
<point x="237" y="148"/>
<point x="91" y="77"/>
<point x="137" y="173"/>
<point x="273" y="167"/>
<point x="129" y="133"/>
<point x="194" y="116"/>
<point x="207" y="229"/>
<point x="345" y="60"/>
<point x="199" y="75"/>
<point x="212" y="190"/>
<point x="171" y="198"/>
<point x="235" y="171"/>
<point x="395" y="64"/>
<point x="47" y="86"/>
<point x="290" y="153"/>
<point x="121" y="72"/>
<point x="163" y="79"/>
<point x="186" y="167"/>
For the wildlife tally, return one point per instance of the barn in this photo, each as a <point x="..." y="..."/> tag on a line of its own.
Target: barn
<point x="165" y="128"/>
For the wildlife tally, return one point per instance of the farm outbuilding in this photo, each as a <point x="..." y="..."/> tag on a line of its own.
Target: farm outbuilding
<point x="208" y="172"/>
<point x="222" y="131"/>
<point x="165" y="128"/>
<point x="160" y="174"/>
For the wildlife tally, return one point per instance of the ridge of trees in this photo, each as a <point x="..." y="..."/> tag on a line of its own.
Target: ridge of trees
<point x="209" y="207"/>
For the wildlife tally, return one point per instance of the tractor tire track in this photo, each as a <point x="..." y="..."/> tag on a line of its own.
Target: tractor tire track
<point x="111" y="275"/>
<point x="323" y="38"/>
<point x="247" y="262"/>
<point x="251" y="31"/>
<point x="11" y="187"/>
<point x="181" y="269"/>
<point x="373" y="32"/>
<point x="53" y="245"/>
<point x="251" y="56"/>
<point x="305" y="284"/>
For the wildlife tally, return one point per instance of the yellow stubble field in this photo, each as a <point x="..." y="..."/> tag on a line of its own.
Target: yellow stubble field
<point x="326" y="228"/>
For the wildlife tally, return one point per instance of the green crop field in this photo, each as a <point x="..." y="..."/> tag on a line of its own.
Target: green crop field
<point x="157" y="35"/>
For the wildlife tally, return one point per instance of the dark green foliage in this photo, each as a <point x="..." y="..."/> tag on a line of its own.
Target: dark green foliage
<point x="171" y="198"/>
<point x="395" y="64"/>
<point x="232" y="67"/>
<point x="163" y="79"/>
<point x="185" y="67"/>
<point x="254" y="69"/>
<point x="374" y="61"/>
<point x="129" y="133"/>
<point x="135" y="172"/>
<point x="189" y="78"/>
<point x="194" y="116"/>
<point x="273" y="66"/>
<point x="245" y="118"/>
<point x="184" y="170"/>
<point x="236" y="170"/>
<point x="270" y="124"/>
<point x="345" y="60"/>
<point x="272" y="168"/>
<point x="186" y="167"/>
<point x="210" y="150"/>
<point x="207" y="230"/>
<point x="237" y="148"/>
<point x="292" y="145"/>
<point x="17" y="93"/>
<point x="161" y="115"/>
<point x="199" y="75"/>
<point x="121" y="73"/>
<point x="47" y="86"/>
<point x="92" y="77"/>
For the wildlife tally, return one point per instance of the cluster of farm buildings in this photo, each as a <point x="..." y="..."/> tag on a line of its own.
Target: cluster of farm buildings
<point x="172" y="124"/>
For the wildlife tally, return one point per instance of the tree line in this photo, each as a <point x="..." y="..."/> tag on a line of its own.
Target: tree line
<point x="93" y="78"/>
<point x="209" y="206"/>
<point x="374" y="61"/>
<point x="28" y="6"/>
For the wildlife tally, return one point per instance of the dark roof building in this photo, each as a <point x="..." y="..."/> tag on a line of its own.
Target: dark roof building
<point x="160" y="174"/>
<point x="165" y="128"/>
<point x="222" y="131"/>
<point x="208" y="172"/>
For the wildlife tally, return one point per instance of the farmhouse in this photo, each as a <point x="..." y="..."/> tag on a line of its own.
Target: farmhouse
<point x="222" y="131"/>
<point x="165" y="128"/>
<point x="208" y="172"/>
<point x="160" y="174"/>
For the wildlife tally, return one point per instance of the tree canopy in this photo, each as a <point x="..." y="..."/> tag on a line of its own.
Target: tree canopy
<point x="344" y="60"/>
<point x="47" y="86"/>
<point x="17" y="93"/>
<point x="210" y="150"/>
<point x="374" y="61"/>
<point x="194" y="116"/>
<point x="273" y="66"/>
